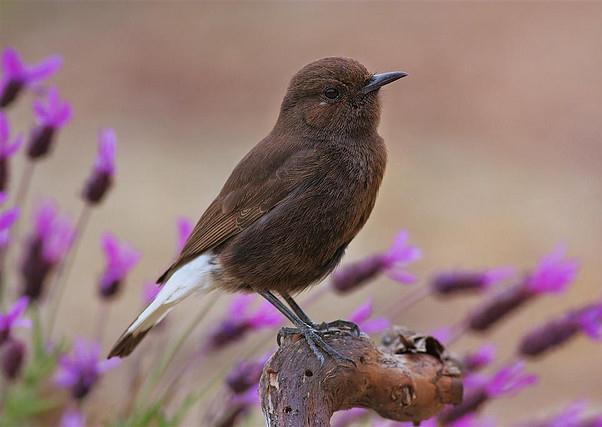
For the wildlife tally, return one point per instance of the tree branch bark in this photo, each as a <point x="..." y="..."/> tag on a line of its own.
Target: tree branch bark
<point x="407" y="378"/>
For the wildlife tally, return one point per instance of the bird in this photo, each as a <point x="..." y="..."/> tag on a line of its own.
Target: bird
<point x="291" y="206"/>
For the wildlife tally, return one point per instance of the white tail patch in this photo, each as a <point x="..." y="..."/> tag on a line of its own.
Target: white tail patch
<point x="193" y="277"/>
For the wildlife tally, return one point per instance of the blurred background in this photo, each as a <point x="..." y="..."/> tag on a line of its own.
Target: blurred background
<point x="494" y="139"/>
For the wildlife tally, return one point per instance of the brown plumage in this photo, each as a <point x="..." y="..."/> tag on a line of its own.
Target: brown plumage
<point x="291" y="206"/>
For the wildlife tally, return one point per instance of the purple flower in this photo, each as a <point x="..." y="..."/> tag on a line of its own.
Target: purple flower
<point x="13" y="355"/>
<point x="559" y="331"/>
<point x="82" y="369"/>
<point x="552" y="275"/>
<point x="7" y="220"/>
<point x="8" y="148"/>
<point x="150" y="292"/>
<point x="393" y="263"/>
<point x="52" y="116"/>
<point x="241" y="320"/>
<point x="589" y="319"/>
<point x="185" y="227"/>
<point x="507" y="381"/>
<point x="46" y="247"/>
<point x="120" y="259"/>
<point x="73" y="418"/>
<point x="18" y="75"/>
<point x="13" y="318"/>
<point x="479" y="359"/>
<point x="349" y="417"/>
<point x="245" y="375"/>
<point x="469" y="281"/>
<point x="59" y="241"/>
<point x="362" y="317"/>
<point x="101" y="179"/>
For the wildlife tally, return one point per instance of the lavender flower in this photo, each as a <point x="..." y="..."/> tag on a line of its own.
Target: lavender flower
<point x="507" y="381"/>
<point x="120" y="259"/>
<point x="18" y="75"/>
<point x="150" y="292"/>
<point x="101" y="179"/>
<point x="469" y="281"/>
<point x="245" y="375"/>
<point x="362" y="317"/>
<point x="392" y="262"/>
<point x="46" y="247"/>
<point x="552" y="275"/>
<point x="185" y="228"/>
<point x="560" y="330"/>
<point x="13" y="318"/>
<point x="13" y="355"/>
<point x="240" y="320"/>
<point x="349" y="417"/>
<point x="8" y="148"/>
<point x="7" y="220"/>
<point x="479" y="359"/>
<point x="80" y="371"/>
<point x="51" y="116"/>
<point x="73" y="418"/>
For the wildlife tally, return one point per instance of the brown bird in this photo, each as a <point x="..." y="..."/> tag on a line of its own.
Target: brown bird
<point x="291" y="206"/>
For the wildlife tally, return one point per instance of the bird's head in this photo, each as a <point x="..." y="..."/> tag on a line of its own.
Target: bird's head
<point x="334" y="96"/>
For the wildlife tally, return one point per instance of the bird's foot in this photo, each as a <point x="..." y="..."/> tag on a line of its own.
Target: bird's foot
<point x="315" y="341"/>
<point x="341" y="326"/>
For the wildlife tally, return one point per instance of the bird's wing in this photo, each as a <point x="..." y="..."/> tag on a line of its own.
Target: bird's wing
<point x="253" y="189"/>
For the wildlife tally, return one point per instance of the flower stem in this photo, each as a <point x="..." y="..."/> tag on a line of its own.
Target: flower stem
<point x="61" y="277"/>
<point x="158" y="372"/>
<point x="407" y="302"/>
<point x="21" y="194"/>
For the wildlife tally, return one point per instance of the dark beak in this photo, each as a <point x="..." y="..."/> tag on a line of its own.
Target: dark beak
<point x="379" y="80"/>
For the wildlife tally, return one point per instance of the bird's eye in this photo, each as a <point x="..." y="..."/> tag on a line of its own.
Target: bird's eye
<point x="331" y="93"/>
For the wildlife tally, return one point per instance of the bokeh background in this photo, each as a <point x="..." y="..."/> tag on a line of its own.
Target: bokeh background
<point x="494" y="141"/>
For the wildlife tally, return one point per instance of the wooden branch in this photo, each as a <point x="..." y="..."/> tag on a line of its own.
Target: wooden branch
<point x="407" y="378"/>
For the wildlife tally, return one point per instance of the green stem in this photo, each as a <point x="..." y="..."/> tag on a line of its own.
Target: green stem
<point x="61" y="277"/>
<point x="156" y="375"/>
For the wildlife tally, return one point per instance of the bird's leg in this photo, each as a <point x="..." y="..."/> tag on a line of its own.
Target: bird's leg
<point x="343" y="325"/>
<point x="297" y="309"/>
<point x="312" y="336"/>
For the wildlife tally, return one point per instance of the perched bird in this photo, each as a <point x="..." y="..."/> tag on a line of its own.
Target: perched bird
<point x="291" y="206"/>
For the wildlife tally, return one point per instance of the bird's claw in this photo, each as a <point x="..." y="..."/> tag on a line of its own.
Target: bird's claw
<point x="319" y="347"/>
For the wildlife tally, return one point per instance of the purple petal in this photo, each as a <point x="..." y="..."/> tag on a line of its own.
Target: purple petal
<point x="362" y="313"/>
<point x="4" y="129"/>
<point x="443" y="334"/>
<point x="150" y="292"/>
<point x="107" y="147"/>
<point x="8" y="218"/>
<point x="510" y="380"/>
<point x="59" y="240"/>
<point x="240" y="304"/>
<point x="12" y="64"/>
<point x="44" y="69"/>
<point x="44" y="218"/>
<point x="73" y="418"/>
<point x="185" y="228"/>
<point x="18" y="309"/>
<point x="349" y="417"/>
<point x="375" y="326"/>
<point x="590" y="321"/>
<point x="266" y="317"/>
<point x="401" y="276"/>
<point x="499" y="274"/>
<point x="106" y="365"/>
<point x="553" y="273"/>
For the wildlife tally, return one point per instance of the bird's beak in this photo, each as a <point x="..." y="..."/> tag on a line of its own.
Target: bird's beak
<point x="379" y="80"/>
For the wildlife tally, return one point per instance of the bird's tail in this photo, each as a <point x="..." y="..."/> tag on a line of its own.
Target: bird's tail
<point x="145" y="321"/>
<point x="192" y="277"/>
